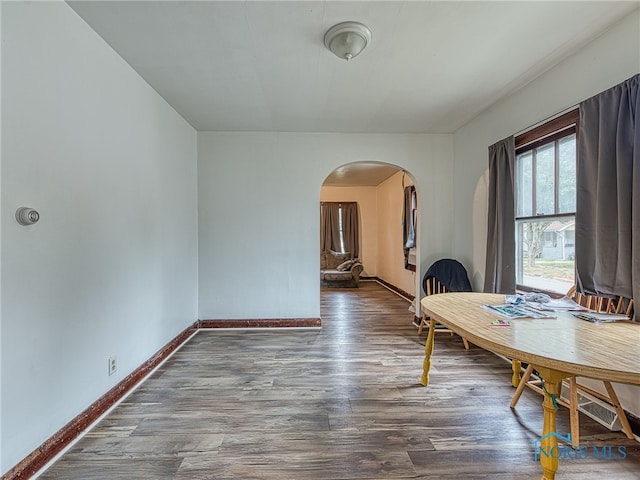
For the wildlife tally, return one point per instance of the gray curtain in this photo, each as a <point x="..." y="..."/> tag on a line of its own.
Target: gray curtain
<point x="608" y="189"/>
<point x="350" y="229"/>
<point x="500" y="275"/>
<point x="330" y="227"/>
<point x="329" y="231"/>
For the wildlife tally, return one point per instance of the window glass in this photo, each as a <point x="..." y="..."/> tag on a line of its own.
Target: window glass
<point x="567" y="174"/>
<point x="545" y="253"/>
<point x="545" y="180"/>
<point x="340" y="232"/>
<point x="524" y="185"/>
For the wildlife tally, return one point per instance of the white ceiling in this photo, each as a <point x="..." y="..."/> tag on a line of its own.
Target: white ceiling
<point x="360" y="174"/>
<point x="262" y="66"/>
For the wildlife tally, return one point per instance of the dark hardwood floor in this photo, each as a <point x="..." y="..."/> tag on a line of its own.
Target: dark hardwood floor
<point x="343" y="402"/>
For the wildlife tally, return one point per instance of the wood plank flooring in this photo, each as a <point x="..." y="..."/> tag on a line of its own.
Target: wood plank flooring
<point x="343" y="402"/>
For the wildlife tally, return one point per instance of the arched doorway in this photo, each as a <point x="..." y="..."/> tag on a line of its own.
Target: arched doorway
<point x="378" y="189"/>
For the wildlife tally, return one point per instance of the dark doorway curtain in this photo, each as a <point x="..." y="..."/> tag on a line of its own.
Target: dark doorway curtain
<point x="608" y="193"/>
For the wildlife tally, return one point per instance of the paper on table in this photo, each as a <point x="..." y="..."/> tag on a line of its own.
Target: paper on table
<point x="564" y="303"/>
<point x="518" y="311"/>
<point x="597" y="317"/>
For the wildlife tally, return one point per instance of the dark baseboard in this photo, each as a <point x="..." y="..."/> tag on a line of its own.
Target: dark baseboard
<point x="395" y="289"/>
<point x="262" y="323"/>
<point x="37" y="459"/>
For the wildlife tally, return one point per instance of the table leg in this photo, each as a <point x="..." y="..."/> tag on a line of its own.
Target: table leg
<point x="516" y="366"/>
<point x="428" y="350"/>
<point x="549" y="441"/>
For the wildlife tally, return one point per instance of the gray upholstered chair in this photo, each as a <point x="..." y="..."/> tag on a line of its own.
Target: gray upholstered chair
<point x="339" y="269"/>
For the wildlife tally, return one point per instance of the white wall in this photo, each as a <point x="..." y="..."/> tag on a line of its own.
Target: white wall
<point x="111" y="267"/>
<point x="390" y="233"/>
<point x="259" y="216"/>
<point x="610" y="59"/>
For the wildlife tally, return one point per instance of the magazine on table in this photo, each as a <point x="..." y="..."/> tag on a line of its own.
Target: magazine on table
<point x="599" y="317"/>
<point x="564" y="304"/>
<point x="542" y="301"/>
<point x="518" y="311"/>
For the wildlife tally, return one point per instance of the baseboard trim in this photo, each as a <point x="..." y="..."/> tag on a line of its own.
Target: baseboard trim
<point x="37" y="459"/>
<point x="262" y="323"/>
<point x="394" y="289"/>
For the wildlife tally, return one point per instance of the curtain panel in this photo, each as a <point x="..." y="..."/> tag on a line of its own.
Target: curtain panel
<point x="500" y="275"/>
<point x="608" y="189"/>
<point x="350" y="229"/>
<point x="332" y="222"/>
<point x="329" y="229"/>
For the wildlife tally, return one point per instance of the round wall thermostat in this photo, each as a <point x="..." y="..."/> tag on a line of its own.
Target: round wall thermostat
<point x="27" y="216"/>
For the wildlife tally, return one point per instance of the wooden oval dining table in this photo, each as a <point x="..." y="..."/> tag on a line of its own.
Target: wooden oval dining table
<point x="558" y="348"/>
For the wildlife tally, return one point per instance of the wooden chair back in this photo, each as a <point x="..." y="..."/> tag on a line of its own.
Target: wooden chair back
<point x="603" y="304"/>
<point x="434" y="286"/>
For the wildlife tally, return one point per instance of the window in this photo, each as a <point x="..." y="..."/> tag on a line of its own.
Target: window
<point x="341" y="230"/>
<point x="545" y="187"/>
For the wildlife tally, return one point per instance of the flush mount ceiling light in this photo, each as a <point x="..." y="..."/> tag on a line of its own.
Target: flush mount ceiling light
<point x="347" y="39"/>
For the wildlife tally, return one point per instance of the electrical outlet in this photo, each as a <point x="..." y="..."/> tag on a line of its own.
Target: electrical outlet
<point x="112" y="365"/>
